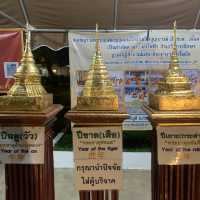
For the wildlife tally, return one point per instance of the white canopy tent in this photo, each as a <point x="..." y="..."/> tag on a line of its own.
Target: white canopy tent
<point x="54" y="18"/>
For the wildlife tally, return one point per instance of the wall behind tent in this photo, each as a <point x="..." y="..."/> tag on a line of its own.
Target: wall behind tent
<point x="11" y="47"/>
<point x="136" y="62"/>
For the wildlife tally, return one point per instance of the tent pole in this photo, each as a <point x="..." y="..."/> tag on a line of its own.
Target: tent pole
<point x="81" y="30"/>
<point x="115" y="15"/>
<point x="48" y="30"/>
<point x="24" y="11"/>
<point x="12" y="19"/>
<point x="197" y="19"/>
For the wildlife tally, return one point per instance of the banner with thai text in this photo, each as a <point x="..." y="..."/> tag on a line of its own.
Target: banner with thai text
<point x="11" y="48"/>
<point x="22" y="145"/>
<point x="178" y="145"/>
<point x="136" y="61"/>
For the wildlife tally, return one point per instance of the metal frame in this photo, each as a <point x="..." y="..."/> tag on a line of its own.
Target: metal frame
<point x="12" y="19"/>
<point x="83" y="30"/>
<point x="24" y="11"/>
<point x="197" y="19"/>
<point x="115" y="14"/>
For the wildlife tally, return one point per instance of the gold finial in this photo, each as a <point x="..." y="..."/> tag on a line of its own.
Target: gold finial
<point x="28" y="39"/>
<point x="174" y="34"/>
<point x="27" y="77"/>
<point x="97" y="40"/>
<point x="174" y="64"/>
<point x="98" y="92"/>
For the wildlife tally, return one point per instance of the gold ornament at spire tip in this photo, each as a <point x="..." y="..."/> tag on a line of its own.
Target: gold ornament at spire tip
<point x="98" y="92"/>
<point x="174" y="91"/>
<point x="27" y="92"/>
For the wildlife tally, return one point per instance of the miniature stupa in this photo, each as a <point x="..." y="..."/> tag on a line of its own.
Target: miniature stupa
<point x="98" y="92"/>
<point x="174" y="91"/>
<point x="27" y="92"/>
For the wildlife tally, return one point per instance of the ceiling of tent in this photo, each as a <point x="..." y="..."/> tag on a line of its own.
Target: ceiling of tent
<point x="62" y="15"/>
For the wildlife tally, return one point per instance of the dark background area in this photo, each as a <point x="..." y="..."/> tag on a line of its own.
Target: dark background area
<point x="56" y="83"/>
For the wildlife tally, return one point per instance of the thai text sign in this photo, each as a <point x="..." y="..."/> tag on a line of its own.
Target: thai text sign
<point x="98" y="157"/>
<point x="97" y="142"/>
<point x="178" y="145"/>
<point x="98" y="174"/>
<point x="22" y="145"/>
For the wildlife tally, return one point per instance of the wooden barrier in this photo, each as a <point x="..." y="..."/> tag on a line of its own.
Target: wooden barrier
<point x="173" y="182"/>
<point x="97" y="118"/>
<point x="32" y="182"/>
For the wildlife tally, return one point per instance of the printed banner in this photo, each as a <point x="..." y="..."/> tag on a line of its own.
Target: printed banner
<point x="98" y="174"/>
<point x="135" y="50"/>
<point x="136" y="62"/>
<point x="22" y="145"/>
<point x="97" y="143"/>
<point x="11" y="48"/>
<point x="178" y="145"/>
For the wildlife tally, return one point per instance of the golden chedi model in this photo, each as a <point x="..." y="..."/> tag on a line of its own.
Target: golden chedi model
<point x="98" y="92"/>
<point x="27" y="93"/>
<point x="174" y="91"/>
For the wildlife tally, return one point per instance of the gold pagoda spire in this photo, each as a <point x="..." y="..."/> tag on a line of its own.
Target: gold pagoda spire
<point x="98" y="92"/>
<point x="174" y="91"/>
<point x="27" y="77"/>
<point x="175" y="82"/>
<point x="27" y="93"/>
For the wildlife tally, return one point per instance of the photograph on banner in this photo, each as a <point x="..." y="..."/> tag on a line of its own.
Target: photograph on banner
<point x="10" y="69"/>
<point x="22" y="145"/>
<point x="117" y="78"/>
<point x="135" y="88"/>
<point x="194" y="77"/>
<point x="154" y="76"/>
